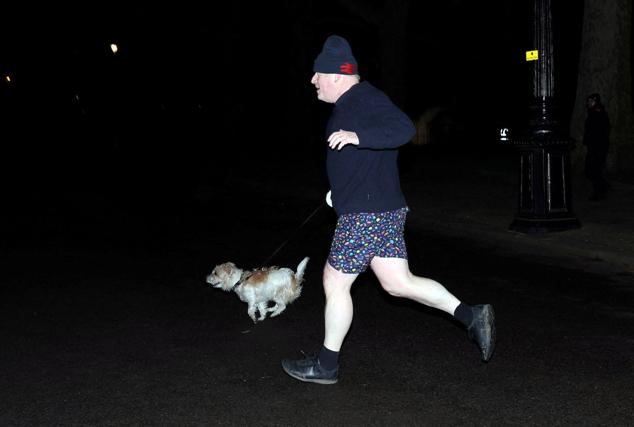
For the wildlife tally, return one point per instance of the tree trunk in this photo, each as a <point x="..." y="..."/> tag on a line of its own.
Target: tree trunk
<point x="605" y="68"/>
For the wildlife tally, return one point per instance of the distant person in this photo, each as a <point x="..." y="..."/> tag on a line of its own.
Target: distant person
<point x="363" y="133"/>
<point x="596" y="138"/>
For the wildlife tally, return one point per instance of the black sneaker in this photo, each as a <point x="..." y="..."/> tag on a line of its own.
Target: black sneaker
<point x="482" y="329"/>
<point x="309" y="370"/>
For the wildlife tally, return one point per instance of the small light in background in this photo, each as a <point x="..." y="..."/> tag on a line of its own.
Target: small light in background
<point x="7" y="78"/>
<point x="114" y="48"/>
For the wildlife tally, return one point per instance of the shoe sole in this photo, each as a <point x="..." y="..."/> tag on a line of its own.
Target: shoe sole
<point x="307" y="380"/>
<point x="490" y="320"/>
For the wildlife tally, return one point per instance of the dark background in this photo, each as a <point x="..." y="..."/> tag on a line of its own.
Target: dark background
<point x="195" y="89"/>
<point x="125" y="178"/>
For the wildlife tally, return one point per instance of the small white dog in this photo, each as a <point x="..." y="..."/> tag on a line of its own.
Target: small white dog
<point x="258" y="287"/>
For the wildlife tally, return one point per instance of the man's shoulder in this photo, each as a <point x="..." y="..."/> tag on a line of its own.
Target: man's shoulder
<point x="365" y="94"/>
<point x="369" y="89"/>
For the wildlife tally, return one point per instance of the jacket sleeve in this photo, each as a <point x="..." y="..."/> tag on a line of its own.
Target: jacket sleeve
<point x="382" y="125"/>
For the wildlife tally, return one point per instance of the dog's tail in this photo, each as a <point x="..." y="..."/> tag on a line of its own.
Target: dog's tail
<point x="299" y="275"/>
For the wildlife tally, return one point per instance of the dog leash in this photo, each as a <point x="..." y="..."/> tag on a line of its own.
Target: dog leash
<point x="294" y="233"/>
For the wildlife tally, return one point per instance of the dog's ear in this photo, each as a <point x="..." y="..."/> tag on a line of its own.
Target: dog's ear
<point x="226" y="268"/>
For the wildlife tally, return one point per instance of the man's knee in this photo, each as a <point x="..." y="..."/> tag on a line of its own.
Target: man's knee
<point x="393" y="274"/>
<point x="394" y="286"/>
<point x="328" y="277"/>
<point x="335" y="281"/>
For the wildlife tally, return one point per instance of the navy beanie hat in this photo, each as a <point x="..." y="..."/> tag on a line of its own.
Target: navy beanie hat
<point x="336" y="58"/>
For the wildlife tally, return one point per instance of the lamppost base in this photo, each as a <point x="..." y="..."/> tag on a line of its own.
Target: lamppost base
<point x="544" y="225"/>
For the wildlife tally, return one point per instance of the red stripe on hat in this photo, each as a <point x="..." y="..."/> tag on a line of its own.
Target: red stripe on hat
<point x="347" y="68"/>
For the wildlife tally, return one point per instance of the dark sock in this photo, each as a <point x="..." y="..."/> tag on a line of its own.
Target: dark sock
<point x="463" y="314"/>
<point x="328" y="359"/>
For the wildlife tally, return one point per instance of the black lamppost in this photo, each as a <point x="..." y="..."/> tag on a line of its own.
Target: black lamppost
<point x="545" y="197"/>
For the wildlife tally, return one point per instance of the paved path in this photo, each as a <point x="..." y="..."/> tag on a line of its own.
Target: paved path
<point x="106" y="319"/>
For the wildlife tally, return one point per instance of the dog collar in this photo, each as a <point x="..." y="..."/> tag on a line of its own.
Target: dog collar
<point x="245" y="275"/>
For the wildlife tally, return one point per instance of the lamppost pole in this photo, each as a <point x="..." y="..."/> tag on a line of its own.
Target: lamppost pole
<point x="545" y="196"/>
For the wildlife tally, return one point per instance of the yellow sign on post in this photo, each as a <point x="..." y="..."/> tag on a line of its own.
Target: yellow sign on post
<point x="532" y="55"/>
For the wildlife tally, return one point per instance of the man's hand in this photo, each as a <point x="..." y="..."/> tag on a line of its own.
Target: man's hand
<point x="337" y="140"/>
<point x="329" y="198"/>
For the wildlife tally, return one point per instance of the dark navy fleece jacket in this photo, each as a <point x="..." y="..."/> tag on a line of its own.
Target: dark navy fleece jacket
<point x="364" y="177"/>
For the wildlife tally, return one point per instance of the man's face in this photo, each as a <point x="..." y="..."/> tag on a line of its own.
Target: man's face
<point x="590" y="103"/>
<point x="326" y="88"/>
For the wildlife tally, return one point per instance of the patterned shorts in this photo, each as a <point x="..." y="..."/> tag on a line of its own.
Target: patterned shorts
<point x="359" y="237"/>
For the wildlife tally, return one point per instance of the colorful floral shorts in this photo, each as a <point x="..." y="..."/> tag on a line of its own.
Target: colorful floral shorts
<point x="359" y="237"/>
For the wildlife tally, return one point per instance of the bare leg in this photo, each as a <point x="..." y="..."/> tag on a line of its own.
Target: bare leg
<point x="398" y="280"/>
<point x="338" y="312"/>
